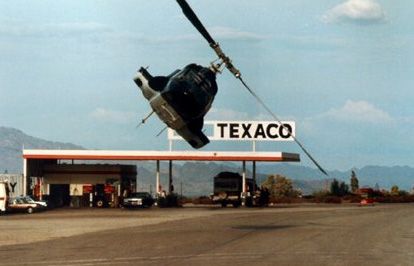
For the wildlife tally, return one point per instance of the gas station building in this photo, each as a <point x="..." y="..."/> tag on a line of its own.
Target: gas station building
<point x="61" y="175"/>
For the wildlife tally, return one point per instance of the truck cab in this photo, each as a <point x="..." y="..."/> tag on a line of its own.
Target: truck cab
<point x="228" y="188"/>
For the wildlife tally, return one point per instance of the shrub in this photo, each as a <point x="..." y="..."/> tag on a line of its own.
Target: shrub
<point x="184" y="200"/>
<point x="352" y="198"/>
<point x="395" y="199"/>
<point x="278" y="200"/>
<point x="320" y="194"/>
<point x="171" y="200"/>
<point x="332" y="199"/>
<point x="327" y="199"/>
<point x="202" y="200"/>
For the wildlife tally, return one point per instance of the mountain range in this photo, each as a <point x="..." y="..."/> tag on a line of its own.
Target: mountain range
<point x="12" y="142"/>
<point x="195" y="178"/>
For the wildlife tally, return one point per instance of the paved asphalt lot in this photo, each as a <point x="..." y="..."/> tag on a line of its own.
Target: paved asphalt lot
<point x="283" y="235"/>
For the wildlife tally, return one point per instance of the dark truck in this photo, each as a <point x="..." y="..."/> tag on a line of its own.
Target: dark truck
<point x="228" y="188"/>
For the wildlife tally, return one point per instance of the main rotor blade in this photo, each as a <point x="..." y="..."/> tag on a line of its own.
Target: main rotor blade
<point x="192" y="17"/>
<point x="264" y="105"/>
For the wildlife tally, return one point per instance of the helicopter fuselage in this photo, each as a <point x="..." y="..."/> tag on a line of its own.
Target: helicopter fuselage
<point x="181" y="99"/>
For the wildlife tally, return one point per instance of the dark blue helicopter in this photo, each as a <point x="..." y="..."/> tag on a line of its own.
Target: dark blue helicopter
<point x="181" y="99"/>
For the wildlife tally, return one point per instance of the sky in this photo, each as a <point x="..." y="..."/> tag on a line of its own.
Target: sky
<point x="341" y="69"/>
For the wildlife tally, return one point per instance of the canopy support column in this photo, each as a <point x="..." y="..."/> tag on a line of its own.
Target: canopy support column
<point x="244" y="184"/>
<point x="170" y="181"/>
<point x="24" y="177"/>
<point x="254" y="177"/>
<point x="157" y="180"/>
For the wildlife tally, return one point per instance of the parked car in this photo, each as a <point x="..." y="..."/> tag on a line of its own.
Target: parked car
<point x="42" y="203"/>
<point x="138" y="199"/>
<point x="21" y="204"/>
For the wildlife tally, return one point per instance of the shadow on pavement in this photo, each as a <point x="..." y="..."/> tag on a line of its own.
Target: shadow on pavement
<point x="262" y="227"/>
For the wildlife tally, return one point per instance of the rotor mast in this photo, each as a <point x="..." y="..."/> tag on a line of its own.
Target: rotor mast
<point x="192" y="17"/>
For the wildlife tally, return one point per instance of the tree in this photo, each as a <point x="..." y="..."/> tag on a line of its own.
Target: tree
<point x="395" y="190"/>
<point x="280" y="186"/>
<point x="343" y="189"/>
<point x="354" y="182"/>
<point x="335" y="187"/>
<point x="339" y="189"/>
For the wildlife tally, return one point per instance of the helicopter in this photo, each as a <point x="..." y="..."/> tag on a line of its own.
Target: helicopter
<point x="183" y="98"/>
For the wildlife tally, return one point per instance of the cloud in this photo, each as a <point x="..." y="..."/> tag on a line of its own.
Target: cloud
<point x="358" y="111"/>
<point x="218" y="33"/>
<point x="226" y="114"/>
<point x="356" y="11"/>
<point x="113" y="116"/>
<point x="76" y="29"/>
<point x="353" y="114"/>
<point x="90" y="29"/>
<point x="226" y="33"/>
<point x="309" y="42"/>
<point x="229" y="114"/>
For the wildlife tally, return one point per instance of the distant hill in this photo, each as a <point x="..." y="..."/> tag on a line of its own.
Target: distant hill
<point x="384" y="176"/>
<point x="11" y="143"/>
<point x="402" y="176"/>
<point x="196" y="178"/>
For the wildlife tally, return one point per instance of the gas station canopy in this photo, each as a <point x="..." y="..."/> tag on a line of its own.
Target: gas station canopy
<point x="160" y="155"/>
